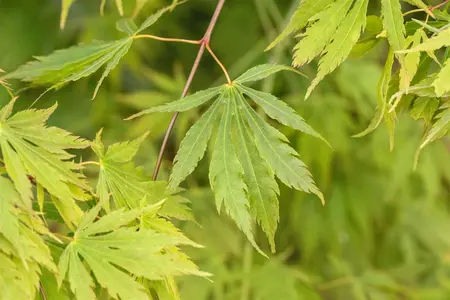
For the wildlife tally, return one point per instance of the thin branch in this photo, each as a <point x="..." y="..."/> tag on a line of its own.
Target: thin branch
<point x="219" y="63"/>
<point x="154" y="37"/>
<point x="90" y="163"/>
<point x="41" y="290"/>
<point x="430" y="9"/>
<point x="439" y="5"/>
<point x="204" y="41"/>
<point x="413" y="11"/>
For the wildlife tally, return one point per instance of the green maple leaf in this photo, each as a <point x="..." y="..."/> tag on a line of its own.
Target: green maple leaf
<point x="127" y="185"/>
<point x="30" y="148"/>
<point x="23" y="252"/>
<point x="332" y="30"/>
<point x="71" y="64"/>
<point x="116" y="252"/>
<point x="242" y="177"/>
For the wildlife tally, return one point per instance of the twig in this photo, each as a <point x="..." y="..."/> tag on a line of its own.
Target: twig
<point x="219" y="63"/>
<point x="41" y="290"/>
<point x="154" y="37"/>
<point x="203" y="43"/>
<point x="439" y="5"/>
<point x="430" y="9"/>
<point x="90" y="163"/>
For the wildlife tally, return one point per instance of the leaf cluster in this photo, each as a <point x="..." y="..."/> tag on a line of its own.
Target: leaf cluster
<point x="126" y="250"/>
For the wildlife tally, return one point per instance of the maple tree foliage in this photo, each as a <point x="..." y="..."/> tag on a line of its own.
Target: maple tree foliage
<point x="117" y="233"/>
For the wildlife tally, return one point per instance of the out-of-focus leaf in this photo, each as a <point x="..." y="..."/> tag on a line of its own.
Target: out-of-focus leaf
<point x="262" y="71"/>
<point x="65" y="7"/>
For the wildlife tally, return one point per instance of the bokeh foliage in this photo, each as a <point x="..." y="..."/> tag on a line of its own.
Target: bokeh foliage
<point x="385" y="230"/>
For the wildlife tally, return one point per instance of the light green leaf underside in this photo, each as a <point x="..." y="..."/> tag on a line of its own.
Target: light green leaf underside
<point x="442" y="83"/>
<point x="440" y="127"/>
<point x="193" y="146"/>
<point x="279" y="110"/>
<point x="185" y="103"/>
<point x="281" y="157"/>
<point x="393" y="23"/>
<point x="23" y="252"/>
<point x="440" y="40"/>
<point x="382" y="91"/>
<point x="31" y="148"/>
<point x="119" y="176"/>
<point x="107" y="244"/>
<point x="411" y="61"/>
<point x="304" y="12"/>
<point x="344" y="38"/>
<point x="424" y="108"/>
<point x="262" y="187"/>
<point x="262" y="71"/>
<point x="226" y="174"/>
<point x="9" y="222"/>
<point x="319" y="33"/>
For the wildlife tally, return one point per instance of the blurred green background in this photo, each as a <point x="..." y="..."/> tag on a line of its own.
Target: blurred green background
<point x="385" y="230"/>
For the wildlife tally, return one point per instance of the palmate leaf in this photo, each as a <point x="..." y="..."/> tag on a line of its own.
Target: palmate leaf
<point x="30" y="148"/>
<point x="74" y="63"/>
<point x="242" y="176"/>
<point x="125" y="183"/>
<point x="344" y="38"/>
<point x="226" y="173"/>
<point x="320" y="32"/>
<point x="262" y="187"/>
<point x="304" y="12"/>
<point x="116" y="253"/>
<point x="332" y="30"/>
<point x="119" y="176"/>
